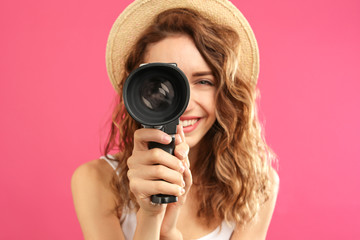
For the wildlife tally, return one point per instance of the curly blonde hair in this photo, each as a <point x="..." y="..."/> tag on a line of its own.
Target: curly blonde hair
<point x="232" y="173"/>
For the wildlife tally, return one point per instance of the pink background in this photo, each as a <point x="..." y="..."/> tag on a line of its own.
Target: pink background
<point x="55" y="101"/>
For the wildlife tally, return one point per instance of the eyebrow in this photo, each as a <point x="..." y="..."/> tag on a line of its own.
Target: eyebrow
<point x="199" y="74"/>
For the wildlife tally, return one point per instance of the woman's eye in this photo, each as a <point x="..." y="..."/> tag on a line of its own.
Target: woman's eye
<point x="205" y="82"/>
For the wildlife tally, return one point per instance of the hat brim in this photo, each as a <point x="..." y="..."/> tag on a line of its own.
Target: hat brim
<point x="140" y="14"/>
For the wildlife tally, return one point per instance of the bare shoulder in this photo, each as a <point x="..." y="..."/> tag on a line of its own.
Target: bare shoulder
<point x="257" y="229"/>
<point x="275" y="180"/>
<point x="92" y="181"/>
<point x="94" y="200"/>
<point x="90" y="184"/>
<point x="94" y="172"/>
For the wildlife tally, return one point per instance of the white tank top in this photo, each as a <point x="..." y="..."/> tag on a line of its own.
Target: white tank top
<point x="128" y="220"/>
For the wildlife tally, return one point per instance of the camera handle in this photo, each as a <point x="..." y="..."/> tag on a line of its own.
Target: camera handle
<point x="163" y="198"/>
<point x="166" y="147"/>
<point x="171" y="130"/>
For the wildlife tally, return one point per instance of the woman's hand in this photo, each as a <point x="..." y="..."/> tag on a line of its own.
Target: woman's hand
<point x="154" y="171"/>
<point x="168" y="227"/>
<point x="148" y="167"/>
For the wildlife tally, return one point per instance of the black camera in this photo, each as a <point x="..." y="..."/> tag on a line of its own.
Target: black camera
<point x="156" y="95"/>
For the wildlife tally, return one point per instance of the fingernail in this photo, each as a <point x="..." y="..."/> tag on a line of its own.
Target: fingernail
<point x="183" y="183"/>
<point x="182" y="169"/>
<point x="182" y="191"/>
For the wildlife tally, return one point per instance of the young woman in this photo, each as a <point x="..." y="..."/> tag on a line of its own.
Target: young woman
<point x="231" y="190"/>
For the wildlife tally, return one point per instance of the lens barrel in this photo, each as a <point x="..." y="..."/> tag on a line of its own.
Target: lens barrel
<point x="156" y="94"/>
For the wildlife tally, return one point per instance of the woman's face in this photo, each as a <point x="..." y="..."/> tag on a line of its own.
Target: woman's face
<point x="200" y="113"/>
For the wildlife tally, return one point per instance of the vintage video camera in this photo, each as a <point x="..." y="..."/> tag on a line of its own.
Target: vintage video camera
<point x="156" y="95"/>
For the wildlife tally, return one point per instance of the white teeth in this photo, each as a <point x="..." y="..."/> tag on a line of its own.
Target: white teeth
<point x="187" y="123"/>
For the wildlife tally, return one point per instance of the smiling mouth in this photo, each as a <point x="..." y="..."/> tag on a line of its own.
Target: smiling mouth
<point x="188" y="123"/>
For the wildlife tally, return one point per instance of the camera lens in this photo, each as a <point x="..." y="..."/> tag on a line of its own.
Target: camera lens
<point x="157" y="94"/>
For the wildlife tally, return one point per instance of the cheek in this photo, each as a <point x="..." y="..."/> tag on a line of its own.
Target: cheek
<point x="210" y="108"/>
<point x="206" y="99"/>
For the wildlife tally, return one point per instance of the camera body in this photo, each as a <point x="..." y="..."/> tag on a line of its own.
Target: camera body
<point x="156" y="95"/>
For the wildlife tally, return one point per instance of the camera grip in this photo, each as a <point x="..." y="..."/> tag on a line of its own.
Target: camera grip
<point x="163" y="198"/>
<point x="166" y="147"/>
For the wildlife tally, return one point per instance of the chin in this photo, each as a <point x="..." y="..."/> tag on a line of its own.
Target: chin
<point x="192" y="141"/>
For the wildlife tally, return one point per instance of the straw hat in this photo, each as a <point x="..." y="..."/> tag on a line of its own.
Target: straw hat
<point x="140" y="14"/>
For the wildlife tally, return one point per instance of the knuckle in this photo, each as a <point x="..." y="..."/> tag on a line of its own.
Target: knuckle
<point x="130" y="174"/>
<point x="159" y="171"/>
<point x="131" y="161"/>
<point x="156" y="153"/>
<point x="137" y="135"/>
<point x="132" y="186"/>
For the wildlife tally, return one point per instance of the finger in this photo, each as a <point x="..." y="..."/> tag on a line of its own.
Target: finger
<point x="173" y="209"/>
<point x="178" y="139"/>
<point x="144" y="135"/>
<point x="181" y="151"/>
<point x="144" y="188"/>
<point x="182" y="137"/>
<point x="155" y="156"/>
<point x="180" y="131"/>
<point x="187" y="176"/>
<point x="188" y="183"/>
<point x="157" y="172"/>
<point x="181" y="148"/>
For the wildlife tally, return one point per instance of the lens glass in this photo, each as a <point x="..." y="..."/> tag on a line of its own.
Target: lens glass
<point x="157" y="93"/>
